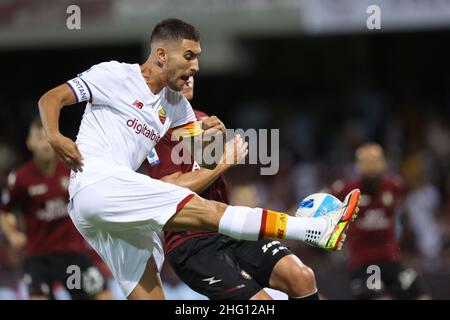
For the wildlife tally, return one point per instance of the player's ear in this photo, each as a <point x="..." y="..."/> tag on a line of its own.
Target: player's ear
<point x="161" y="55"/>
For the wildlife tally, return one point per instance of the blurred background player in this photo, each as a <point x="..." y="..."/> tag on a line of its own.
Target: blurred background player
<point x="215" y="265"/>
<point x="421" y="207"/>
<point x="11" y="284"/>
<point x="373" y="238"/>
<point x="39" y="189"/>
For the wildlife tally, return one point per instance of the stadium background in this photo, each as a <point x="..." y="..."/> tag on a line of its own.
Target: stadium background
<point x="310" y="68"/>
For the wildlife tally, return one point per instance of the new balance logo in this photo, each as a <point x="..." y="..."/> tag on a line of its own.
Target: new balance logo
<point x="211" y="280"/>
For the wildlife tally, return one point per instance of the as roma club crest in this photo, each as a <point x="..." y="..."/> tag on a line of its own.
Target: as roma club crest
<point x="162" y="115"/>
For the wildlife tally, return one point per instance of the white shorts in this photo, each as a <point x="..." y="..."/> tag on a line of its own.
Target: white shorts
<point x="122" y="217"/>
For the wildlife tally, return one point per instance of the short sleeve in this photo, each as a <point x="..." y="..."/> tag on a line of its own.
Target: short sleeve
<point x="185" y="123"/>
<point x="96" y="85"/>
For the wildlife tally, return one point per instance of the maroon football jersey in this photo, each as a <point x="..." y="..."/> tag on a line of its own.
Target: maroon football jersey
<point x="43" y="202"/>
<point x="372" y="237"/>
<point x="164" y="166"/>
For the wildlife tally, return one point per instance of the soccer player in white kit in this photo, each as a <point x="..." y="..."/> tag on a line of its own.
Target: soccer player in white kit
<point x="121" y="212"/>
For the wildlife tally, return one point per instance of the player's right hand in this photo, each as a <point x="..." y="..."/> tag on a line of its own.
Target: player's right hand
<point x="212" y="126"/>
<point x="235" y="151"/>
<point x="67" y="151"/>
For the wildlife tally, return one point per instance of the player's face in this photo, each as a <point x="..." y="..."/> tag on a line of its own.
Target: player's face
<point x="188" y="89"/>
<point x="37" y="143"/>
<point x="371" y="163"/>
<point x="182" y="62"/>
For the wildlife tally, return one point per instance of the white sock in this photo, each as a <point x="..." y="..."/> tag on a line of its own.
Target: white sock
<point x="241" y="223"/>
<point x="244" y="223"/>
<point x="298" y="228"/>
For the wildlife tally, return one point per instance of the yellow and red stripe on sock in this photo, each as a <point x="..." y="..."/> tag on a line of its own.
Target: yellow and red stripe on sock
<point x="273" y="225"/>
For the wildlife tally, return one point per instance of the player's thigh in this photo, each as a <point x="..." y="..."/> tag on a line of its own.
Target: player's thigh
<point x="37" y="277"/>
<point x="208" y="266"/>
<point x="124" y="221"/>
<point x="197" y="214"/>
<point x="258" y="258"/>
<point x="127" y="253"/>
<point x="293" y="277"/>
<point x="149" y="286"/>
<point x="127" y="200"/>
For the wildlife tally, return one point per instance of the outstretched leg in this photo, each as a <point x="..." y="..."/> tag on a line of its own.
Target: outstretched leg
<point x="243" y="223"/>
<point x="123" y="227"/>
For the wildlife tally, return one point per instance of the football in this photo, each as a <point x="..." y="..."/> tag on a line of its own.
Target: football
<point x="317" y="204"/>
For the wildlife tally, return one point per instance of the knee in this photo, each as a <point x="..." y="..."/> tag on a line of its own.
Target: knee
<point x="200" y="214"/>
<point x="301" y="281"/>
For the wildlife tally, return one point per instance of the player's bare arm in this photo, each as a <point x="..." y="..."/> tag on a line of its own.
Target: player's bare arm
<point x="213" y="131"/>
<point x="198" y="181"/>
<point x="212" y="126"/>
<point x="15" y="237"/>
<point x="50" y="105"/>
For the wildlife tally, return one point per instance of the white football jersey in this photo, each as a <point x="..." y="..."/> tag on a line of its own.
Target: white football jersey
<point x="123" y="120"/>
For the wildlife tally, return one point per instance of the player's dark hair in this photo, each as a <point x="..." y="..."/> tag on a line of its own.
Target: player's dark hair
<point x="175" y="29"/>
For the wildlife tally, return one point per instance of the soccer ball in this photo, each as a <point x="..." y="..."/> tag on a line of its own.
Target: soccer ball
<point x="317" y="204"/>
